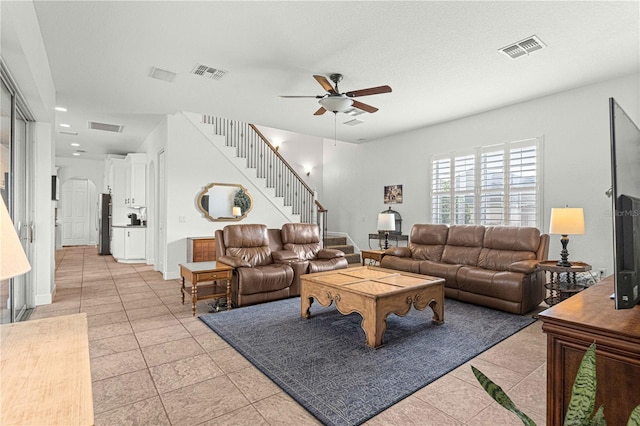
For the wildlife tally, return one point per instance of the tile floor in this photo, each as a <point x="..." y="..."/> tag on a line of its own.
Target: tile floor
<point x="152" y="363"/>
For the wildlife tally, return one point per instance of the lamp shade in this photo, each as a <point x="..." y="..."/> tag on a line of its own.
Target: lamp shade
<point x="13" y="260"/>
<point x="236" y="211"/>
<point x="386" y="222"/>
<point x="567" y="221"/>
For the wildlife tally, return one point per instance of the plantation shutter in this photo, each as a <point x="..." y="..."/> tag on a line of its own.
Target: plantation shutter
<point x="441" y="191"/>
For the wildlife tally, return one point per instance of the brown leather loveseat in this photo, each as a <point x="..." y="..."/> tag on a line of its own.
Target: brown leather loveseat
<point x="269" y="262"/>
<point x="494" y="266"/>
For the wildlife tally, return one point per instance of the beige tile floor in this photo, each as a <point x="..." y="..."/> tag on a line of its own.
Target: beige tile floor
<point x="152" y="363"/>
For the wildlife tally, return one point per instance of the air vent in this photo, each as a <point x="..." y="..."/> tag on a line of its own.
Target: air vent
<point x="208" y="72"/>
<point x="65" y="132"/>
<point x="523" y="47"/>
<point x="353" y="122"/>
<point x="82" y="151"/>
<point x="164" y="75"/>
<point x="117" y="128"/>
<point x="354" y="112"/>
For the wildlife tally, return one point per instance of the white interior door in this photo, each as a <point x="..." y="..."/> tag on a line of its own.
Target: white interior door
<point x="75" y="212"/>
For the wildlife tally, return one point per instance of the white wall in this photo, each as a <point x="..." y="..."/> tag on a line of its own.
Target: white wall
<point x="192" y="163"/>
<point x="24" y="54"/>
<point x="575" y="128"/>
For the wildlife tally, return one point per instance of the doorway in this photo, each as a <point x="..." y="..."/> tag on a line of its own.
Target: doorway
<point x="77" y="209"/>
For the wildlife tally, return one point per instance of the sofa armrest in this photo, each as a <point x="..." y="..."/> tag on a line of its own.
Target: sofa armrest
<point x="398" y="251"/>
<point x="524" y="266"/>
<point x="284" y="256"/>
<point x="329" y="254"/>
<point x="233" y="261"/>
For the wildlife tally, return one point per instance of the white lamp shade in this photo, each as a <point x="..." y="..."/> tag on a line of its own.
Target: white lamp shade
<point x="567" y="221"/>
<point x="386" y="222"/>
<point x="236" y="211"/>
<point x="336" y="103"/>
<point x="13" y="260"/>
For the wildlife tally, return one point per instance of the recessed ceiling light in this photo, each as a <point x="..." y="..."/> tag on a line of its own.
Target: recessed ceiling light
<point x="61" y="109"/>
<point x="65" y="125"/>
<point x="76" y="153"/>
<point x="75" y="144"/>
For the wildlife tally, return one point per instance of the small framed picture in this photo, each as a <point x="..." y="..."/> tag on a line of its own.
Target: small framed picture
<point x="393" y="194"/>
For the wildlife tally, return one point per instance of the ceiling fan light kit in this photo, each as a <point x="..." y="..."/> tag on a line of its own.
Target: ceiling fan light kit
<point x="336" y="104"/>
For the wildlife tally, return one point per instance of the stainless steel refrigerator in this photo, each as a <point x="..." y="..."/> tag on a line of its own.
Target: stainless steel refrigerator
<point x="104" y="224"/>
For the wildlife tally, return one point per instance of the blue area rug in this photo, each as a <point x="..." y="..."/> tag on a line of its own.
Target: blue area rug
<point x="325" y="364"/>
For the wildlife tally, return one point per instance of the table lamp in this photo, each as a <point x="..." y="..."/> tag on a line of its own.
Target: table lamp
<point x="13" y="260"/>
<point x="566" y="221"/>
<point x="386" y="223"/>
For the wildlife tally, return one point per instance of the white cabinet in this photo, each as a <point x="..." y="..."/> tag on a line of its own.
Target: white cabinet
<point x="117" y="242"/>
<point x="128" y="244"/>
<point x="136" y="180"/>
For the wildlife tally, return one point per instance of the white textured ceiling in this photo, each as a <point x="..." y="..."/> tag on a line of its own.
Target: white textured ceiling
<point x="440" y="58"/>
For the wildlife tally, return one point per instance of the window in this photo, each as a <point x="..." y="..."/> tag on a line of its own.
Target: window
<point x="493" y="185"/>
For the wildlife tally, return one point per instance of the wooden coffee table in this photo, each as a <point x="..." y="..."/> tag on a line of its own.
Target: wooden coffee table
<point x="374" y="293"/>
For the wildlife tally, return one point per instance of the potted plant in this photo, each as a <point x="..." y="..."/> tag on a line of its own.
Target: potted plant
<point x="583" y="396"/>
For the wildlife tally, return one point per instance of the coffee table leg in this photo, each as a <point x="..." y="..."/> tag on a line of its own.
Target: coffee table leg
<point x="194" y="297"/>
<point x="438" y="312"/>
<point x="374" y="329"/>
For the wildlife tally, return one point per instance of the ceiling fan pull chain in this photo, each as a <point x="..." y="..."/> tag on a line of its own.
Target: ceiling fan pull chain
<point x="335" y="130"/>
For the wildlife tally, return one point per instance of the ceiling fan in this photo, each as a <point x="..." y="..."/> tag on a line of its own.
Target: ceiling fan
<point x="335" y="101"/>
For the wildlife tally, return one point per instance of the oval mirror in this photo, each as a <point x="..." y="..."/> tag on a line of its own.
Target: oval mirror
<point x="224" y="202"/>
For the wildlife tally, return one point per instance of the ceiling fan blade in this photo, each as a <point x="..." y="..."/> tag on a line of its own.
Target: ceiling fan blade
<point x="320" y="111"/>
<point x="288" y="96"/>
<point x="369" y="91"/>
<point x="325" y="83"/>
<point x="364" y="107"/>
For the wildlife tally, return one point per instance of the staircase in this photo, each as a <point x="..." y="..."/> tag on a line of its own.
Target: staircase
<point x="340" y="243"/>
<point x="278" y="177"/>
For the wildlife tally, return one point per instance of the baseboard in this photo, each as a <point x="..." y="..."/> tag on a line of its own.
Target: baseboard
<point x="44" y="299"/>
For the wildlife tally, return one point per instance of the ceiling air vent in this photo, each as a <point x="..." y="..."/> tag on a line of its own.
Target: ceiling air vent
<point x="64" y="132"/>
<point x="117" y="128"/>
<point x="353" y="122"/>
<point x="523" y="47"/>
<point x="208" y="72"/>
<point x="354" y="112"/>
<point x="164" y="75"/>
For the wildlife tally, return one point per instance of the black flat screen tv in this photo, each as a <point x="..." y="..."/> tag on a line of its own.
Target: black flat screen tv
<point x="625" y="191"/>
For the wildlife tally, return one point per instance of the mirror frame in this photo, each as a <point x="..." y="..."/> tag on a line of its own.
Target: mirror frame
<point x="222" y="219"/>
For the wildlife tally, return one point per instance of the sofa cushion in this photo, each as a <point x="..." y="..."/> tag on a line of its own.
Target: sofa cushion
<point x="406" y="264"/>
<point x="248" y="242"/>
<point x="302" y="238"/>
<point x="441" y="270"/>
<point x="504" y="245"/>
<point x="464" y="243"/>
<point x="427" y="241"/>
<point x="263" y="279"/>
<point x="499" y="284"/>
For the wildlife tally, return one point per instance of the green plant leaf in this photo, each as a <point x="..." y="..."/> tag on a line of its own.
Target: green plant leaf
<point x="634" y="418"/>
<point x="583" y="394"/>
<point x="500" y="396"/>
<point x="598" y="418"/>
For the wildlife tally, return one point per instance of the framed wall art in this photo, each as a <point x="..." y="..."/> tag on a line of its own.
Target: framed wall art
<point x="393" y="194"/>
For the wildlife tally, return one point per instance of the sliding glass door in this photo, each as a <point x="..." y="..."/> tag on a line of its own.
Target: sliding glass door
<point x="14" y="189"/>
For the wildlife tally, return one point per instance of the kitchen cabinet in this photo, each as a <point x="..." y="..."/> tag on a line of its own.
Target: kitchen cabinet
<point x="116" y="180"/>
<point x="136" y="180"/>
<point x="128" y="244"/>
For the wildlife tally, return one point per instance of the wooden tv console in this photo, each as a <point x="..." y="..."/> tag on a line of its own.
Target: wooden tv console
<point x="572" y="326"/>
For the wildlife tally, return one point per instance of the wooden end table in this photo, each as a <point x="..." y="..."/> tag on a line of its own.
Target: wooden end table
<point x="372" y="256"/>
<point x="198" y="273"/>
<point x="562" y="289"/>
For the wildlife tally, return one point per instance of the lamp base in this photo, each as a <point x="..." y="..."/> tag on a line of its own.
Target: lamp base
<point x="564" y="254"/>
<point x="386" y="240"/>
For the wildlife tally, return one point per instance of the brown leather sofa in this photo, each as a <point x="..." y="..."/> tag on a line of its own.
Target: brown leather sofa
<point x="269" y="262"/>
<point x="494" y="266"/>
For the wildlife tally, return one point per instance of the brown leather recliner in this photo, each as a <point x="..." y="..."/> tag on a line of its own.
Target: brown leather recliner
<point x="304" y="240"/>
<point x="257" y="278"/>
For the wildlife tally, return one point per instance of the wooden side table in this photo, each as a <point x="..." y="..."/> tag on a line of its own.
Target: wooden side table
<point x="561" y="289"/>
<point x="209" y="272"/>
<point x="374" y="256"/>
